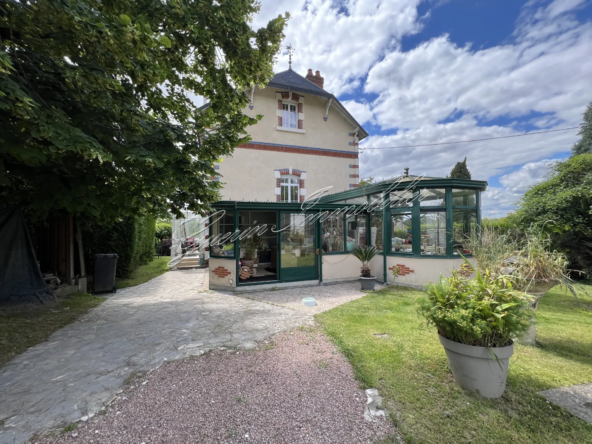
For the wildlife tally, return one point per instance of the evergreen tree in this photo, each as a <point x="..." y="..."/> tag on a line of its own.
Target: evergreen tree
<point x="460" y="171"/>
<point x="585" y="143"/>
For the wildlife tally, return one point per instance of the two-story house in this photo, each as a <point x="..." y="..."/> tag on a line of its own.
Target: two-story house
<point x="307" y="140"/>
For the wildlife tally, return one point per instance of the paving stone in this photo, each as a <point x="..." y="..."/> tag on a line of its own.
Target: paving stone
<point x="577" y="399"/>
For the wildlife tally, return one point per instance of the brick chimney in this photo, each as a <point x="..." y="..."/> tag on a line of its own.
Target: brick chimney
<point x="316" y="78"/>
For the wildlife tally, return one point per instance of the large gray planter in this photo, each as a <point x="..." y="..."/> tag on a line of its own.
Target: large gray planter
<point x="475" y="369"/>
<point x="368" y="283"/>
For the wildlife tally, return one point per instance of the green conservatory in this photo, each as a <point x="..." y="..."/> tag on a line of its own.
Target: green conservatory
<point x="418" y="224"/>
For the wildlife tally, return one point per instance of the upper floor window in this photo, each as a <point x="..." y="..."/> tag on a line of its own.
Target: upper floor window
<point x="289" y="115"/>
<point x="289" y="189"/>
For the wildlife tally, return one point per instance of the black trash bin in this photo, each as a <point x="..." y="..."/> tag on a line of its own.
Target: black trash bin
<point x="104" y="278"/>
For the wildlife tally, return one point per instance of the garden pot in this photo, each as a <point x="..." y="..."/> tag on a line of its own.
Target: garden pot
<point x="475" y="369"/>
<point x="368" y="282"/>
<point x="248" y="263"/>
<point x="536" y="289"/>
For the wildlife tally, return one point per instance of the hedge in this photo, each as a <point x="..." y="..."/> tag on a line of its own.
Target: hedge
<point x="132" y="239"/>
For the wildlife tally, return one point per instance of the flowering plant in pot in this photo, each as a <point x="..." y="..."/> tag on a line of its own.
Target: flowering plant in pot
<point x="476" y="320"/>
<point x="365" y="255"/>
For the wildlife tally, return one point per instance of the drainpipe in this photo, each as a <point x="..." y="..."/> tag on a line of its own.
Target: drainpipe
<point x="384" y="234"/>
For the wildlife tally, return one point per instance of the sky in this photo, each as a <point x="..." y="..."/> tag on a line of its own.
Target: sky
<point x="431" y="71"/>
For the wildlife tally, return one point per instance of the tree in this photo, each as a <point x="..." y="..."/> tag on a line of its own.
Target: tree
<point x="96" y="109"/>
<point x="563" y="204"/>
<point x="364" y="181"/>
<point x="584" y="145"/>
<point x="460" y="171"/>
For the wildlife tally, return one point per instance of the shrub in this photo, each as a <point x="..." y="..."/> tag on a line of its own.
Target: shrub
<point x="485" y="311"/>
<point x="132" y="239"/>
<point x="164" y="230"/>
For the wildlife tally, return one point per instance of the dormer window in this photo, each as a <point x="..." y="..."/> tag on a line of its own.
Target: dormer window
<point x="289" y="115"/>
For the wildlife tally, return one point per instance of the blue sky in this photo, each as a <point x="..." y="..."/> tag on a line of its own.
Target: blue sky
<point x="432" y="71"/>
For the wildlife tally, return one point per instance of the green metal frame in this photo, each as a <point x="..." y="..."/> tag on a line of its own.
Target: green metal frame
<point x="329" y="203"/>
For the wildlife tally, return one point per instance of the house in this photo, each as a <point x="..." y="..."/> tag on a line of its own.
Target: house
<point x="307" y="141"/>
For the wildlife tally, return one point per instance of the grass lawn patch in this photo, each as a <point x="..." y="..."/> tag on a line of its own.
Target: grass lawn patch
<point x="21" y="328"/>
<point x="145" y="272"/>
<point x="392" y="349"/>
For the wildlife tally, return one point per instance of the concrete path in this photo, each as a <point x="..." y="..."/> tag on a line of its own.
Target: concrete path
<point x="82" y="366"/>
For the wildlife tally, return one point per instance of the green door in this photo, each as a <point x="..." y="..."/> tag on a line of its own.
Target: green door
<point x="298" y="245"/>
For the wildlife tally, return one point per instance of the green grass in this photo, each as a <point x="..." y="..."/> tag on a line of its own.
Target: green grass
<point x="145" y="272"/>
<point x="410" y="370"/>
<point x="24" y="327"/>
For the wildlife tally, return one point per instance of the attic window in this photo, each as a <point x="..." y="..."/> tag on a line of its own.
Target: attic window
<point x="289" y="115"/>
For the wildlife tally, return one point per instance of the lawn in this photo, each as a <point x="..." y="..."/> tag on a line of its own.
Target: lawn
<point x="23" y="328"/>
<point x="410" y="370"/>
<point x="145" y="272"/>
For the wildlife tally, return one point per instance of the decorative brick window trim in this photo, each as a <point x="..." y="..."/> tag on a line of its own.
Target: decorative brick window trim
<point x="207" y="236"/>
<point x="285" y="172"/>
<point x="279" y="121"/>
<point x="300" y="107"/>
<point x="354" y="166"/>
<point x="301" y="183"/>
<point x="301" y="198"/>
<point x="278" y="183"/>
<point x="278" y="198"/>
<point x="403" y="269"/>
<point x="300" y="124"/>
<point x="222" y="272"/>
<point x="285" y="95"/>
<point x="296" y="172"/>
<point x="353" y="185"/>
<point x="279" y="104"/>
<point x="295" y="97"/>
<point x="354" y="176"/>
<point x="353" y="144"/>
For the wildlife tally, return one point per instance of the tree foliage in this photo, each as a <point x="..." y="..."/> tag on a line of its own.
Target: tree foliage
<point x="460" y="171"/>
<point x="584" y="145"/>
<point x="97" y="115"/>
<point x="563" y="203"/>
<point x="364" y="181"/>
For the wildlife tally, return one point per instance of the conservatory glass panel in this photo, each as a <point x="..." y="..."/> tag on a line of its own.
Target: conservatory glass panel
<point x="464" y="226"/>
<point x="219" y="243"/>
<point x="356" y="231"/>
<point x="401" y="199"/>
<point x="433" y="233"/>
<point x="433" y="197"/>
<point x="464" y="198"/>
<point x="401" y="239"/>
<point x="376" y="237"/>
<point x="333" y="234"/>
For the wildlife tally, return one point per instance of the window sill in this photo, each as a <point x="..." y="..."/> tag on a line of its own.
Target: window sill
<point x="290" y="130"/>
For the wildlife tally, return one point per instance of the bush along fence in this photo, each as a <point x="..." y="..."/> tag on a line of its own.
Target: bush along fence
<point x="132" y="239"/>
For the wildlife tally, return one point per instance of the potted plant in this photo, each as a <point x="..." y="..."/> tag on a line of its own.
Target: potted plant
<point x="251" y="245"/>
<point x="365" y="255"/>
<point x="477" y="320"/>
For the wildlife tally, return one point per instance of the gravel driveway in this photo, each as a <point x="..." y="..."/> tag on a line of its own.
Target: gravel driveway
<point x="294" y="389"/>
<point x="81" y="366"/>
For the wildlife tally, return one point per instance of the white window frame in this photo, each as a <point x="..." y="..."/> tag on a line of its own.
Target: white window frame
<point x="289" y="186"/>
<point x="289" y="117"/>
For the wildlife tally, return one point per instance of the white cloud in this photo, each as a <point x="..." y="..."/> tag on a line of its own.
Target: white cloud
<point x="442" y="92"/>
<point x="530" y="174"/>
<point x="361" y="111"/>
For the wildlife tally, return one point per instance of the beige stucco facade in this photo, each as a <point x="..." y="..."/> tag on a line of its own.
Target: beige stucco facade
<point x="424" y="271"/>
<point x="325" y="150"/>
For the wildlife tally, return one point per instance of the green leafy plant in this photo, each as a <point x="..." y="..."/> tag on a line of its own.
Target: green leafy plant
<point x="485" y="311"/>
<point x="253" y="243"/>
<point x="365" y="255"/>
<point x="395" y="271"/>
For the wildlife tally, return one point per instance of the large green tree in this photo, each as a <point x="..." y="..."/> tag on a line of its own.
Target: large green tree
<point x="584" y="145"/>
<point x="563" y="204"/>
<point x="97" y="109"/>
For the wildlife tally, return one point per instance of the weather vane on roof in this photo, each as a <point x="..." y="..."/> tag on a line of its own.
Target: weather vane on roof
<point x="291" y="50"/>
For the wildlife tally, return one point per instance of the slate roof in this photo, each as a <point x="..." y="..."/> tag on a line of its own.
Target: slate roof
<point x="292" y="81"/>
